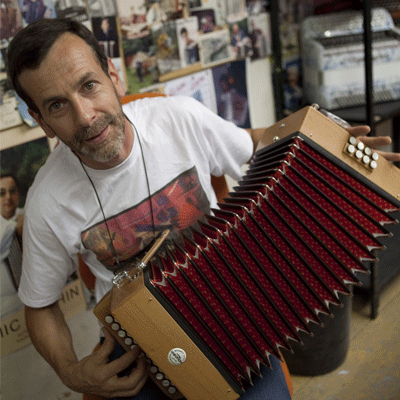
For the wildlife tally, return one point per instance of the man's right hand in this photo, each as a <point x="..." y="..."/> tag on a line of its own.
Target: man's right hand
<point x="96" y="375"/>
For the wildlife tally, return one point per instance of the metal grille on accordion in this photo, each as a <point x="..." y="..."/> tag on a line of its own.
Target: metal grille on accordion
<point x="287" y="240"/>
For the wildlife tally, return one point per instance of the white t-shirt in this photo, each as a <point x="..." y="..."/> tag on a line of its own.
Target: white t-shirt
<point x="183" y="143"/>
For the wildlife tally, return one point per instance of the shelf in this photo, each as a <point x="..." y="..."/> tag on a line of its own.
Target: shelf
<point x="382" y="112"/>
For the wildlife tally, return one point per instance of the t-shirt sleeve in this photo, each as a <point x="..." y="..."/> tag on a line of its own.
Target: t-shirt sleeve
<point x="46" y="266"/>
<point x="228" y="147"/>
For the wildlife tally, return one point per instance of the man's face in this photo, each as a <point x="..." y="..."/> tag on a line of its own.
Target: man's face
<point x="9" y="197"/>
<point x="78" y="102"/>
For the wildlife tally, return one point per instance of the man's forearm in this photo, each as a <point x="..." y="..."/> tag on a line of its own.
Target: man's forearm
<point x="51" y="337"/>
<point x="256" y="135"/>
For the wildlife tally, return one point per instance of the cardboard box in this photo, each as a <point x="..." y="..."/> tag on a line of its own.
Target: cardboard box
<point x="13" y="331"/>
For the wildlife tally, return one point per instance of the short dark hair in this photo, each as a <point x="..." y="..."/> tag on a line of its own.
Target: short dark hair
<point x="31" y="45"/>
<point x="10" y="175"/>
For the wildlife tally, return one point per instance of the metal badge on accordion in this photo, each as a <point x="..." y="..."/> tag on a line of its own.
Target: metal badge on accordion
<point x="289" y="238"/>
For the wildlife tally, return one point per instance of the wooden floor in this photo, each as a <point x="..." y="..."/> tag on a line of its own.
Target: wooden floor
<point x="371" y="370"/>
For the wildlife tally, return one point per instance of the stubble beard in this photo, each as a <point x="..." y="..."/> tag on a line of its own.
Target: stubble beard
<point x="107" y="149"/>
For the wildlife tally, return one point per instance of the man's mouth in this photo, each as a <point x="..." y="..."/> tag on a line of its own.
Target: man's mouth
<point x="99" y="137"/>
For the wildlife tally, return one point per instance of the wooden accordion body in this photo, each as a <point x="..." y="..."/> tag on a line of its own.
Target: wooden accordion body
<point x="301" y="221"/>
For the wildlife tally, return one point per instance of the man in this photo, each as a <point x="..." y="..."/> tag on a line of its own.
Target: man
<point x="11" y="222"/>
<point x="118" y="177"/>
<point x="11" y="215"/>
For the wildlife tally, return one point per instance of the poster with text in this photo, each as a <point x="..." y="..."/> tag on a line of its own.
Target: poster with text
<point x="198" y="85"/>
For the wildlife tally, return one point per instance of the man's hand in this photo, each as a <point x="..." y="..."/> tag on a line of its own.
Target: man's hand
<point x="374" y="142"/>
<point x="96" y="375"/>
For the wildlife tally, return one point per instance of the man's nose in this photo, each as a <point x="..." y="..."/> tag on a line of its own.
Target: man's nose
<point x="85" y="112"/>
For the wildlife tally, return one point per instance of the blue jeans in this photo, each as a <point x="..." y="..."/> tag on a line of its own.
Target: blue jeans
<point x="272" y="386"/>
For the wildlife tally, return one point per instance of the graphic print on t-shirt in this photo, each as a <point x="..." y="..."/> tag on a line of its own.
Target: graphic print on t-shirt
<point x="177" y="206"/>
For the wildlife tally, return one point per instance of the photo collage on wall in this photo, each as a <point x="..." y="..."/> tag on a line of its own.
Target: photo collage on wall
<point x="163" y="36"/>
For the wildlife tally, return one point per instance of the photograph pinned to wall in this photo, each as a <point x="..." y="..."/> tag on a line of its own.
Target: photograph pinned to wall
<point x="106" y="32"/>
<point x="215" y="48"/>
<point x="9" y="114"/>
<point x="219" y="10"/>
<point x="255" y="7"/>
<point x="260" y="35"/>
<point x="72" y="9"/>
<point x="241" y="46"/>
<point x="235" y="8"/>
<point x="198" y="85"/>
<point x="166" y="43"/>
<point x="120" y="67"/>
<point x="33" y="10"/>
<point x="231" y="93"/>
<point x="12" y="23"/>
<point x="132" y="18"/>
<point x="193" y="4"/>
<point x="23" y="110"/>
<point x="187" y="30"/>
<point x="18" y="167"/>
<point x="100" y="8"/>
<point x="206" y="19"/>
<point x="293" y="86"/>
<point x="140" y="62"/>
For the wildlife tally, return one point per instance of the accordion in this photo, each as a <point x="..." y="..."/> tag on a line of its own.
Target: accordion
<point x="293" y="234"/>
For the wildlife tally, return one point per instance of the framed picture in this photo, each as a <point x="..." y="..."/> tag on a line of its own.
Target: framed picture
<point x="215" y="48"/>
<point x="187" y="31"/>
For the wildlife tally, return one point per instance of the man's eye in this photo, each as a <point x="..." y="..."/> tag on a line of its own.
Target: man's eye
<point x="55" y="106"/>
<point x="90" y="85"/>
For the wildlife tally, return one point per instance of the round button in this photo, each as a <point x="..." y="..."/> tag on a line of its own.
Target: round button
<point x="153" y="369"/>
<point x="367" y="151"/>
<point x="366" y="160"/>
<point x="360" y="146"/>
<point x="159" y="376"/>
<point x="359" y="154"/>
<point x="109" y="319"/>
<point x="373" y="164"/>
<point x="352" y="140"/>
<point x="375" y="156"/>
<point x="351" y="149"/>
<point x="177" y="356"/>
<point x="115" y="326"/>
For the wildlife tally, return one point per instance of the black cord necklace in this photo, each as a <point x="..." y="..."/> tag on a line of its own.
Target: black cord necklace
<point x="117" y="263"/>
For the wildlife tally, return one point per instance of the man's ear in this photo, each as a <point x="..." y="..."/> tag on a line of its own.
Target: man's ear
<point x="38" y="118"/>
<point x="115" y="78"/>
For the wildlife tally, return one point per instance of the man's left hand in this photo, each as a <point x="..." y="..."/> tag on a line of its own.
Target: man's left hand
<point x="361" y="133"/>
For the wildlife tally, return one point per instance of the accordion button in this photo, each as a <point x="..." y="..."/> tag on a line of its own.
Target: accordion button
<point x="359" y="154"/>
<point x="367" y="151"/>
<point x="115" y="326"/>
<point x="166" y="382"/>
<point x="109" y="319"/>
<point x="373" y="164"/>
<point x="366" y="160"/>
<point x="172" y="390"/>
<point x="352" y="140"/>
<point x="160" y="376"/>
<point x="128" y="341"/>
<point x="351" y="149"/>
<point x="360" y="146"/>
<point x="153" y="369"/>
<point x="375" y="156"/>
<point x="121" y="333"/>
